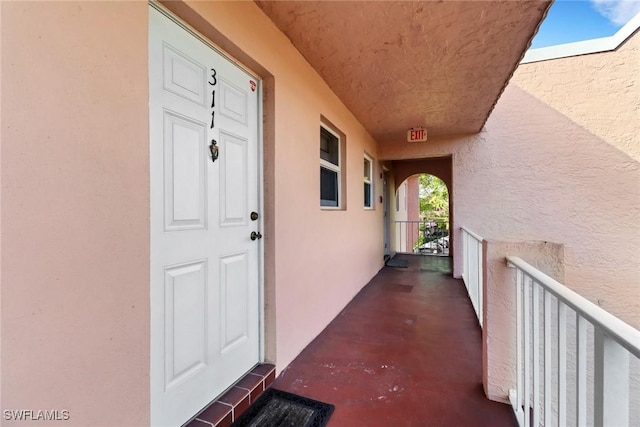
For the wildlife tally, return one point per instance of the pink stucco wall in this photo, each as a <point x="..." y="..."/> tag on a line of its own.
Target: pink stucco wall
<point x="413" y="198"/>
<point x="75" y="203"/>
<point x="75" y="211"/>
<point x="534" y="174"/>
<point x="316" y="271"/>
<point x="413" y="209"/>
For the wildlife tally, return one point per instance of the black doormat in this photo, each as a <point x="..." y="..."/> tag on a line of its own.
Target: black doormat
<point x="277" y="408"/>
<point x="398" y="262"/>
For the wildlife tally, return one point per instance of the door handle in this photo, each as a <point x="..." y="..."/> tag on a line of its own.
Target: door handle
<point x="256" y="235"/>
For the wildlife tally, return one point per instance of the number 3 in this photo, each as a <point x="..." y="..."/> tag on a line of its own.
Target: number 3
<point x="213" y="76"/>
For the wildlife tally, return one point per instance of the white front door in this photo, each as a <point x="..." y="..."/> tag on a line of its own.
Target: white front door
<point x="204" y="265"/>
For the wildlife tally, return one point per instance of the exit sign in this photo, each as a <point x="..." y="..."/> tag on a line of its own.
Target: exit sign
<point x="417" y="135"/>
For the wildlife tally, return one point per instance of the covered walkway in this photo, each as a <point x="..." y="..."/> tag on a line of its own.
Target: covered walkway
<point x="405" y="352"/>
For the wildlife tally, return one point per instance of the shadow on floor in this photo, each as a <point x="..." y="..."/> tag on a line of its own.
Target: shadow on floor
<point x="406" y="351"/>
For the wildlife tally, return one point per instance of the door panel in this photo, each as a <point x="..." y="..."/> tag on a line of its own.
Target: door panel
<point x="185" y="173"/>
<point x="186" y="327"/>
<point x="233" y="102"/>
<point x="183" y="76"/>
<point x="233" y="180"/>
<point x="204" y="266"/>
<point x="235" y="316"/>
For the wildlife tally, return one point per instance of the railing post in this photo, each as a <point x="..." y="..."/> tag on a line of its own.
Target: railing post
<point x="526" y="329"/>
<point x="611" y="381"/>
<point x="547" y="358"/>
<point x="465" y="262"/>
<point x="480" y="259"/>
<point x="562" y="363"/>
<point x="519" y="338"/>
<point x="581" y="370"/>
<point x="536" y="354"/>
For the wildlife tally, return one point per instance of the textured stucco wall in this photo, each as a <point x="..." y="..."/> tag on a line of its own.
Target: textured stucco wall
<point x="534" y="174"/>
<point x="599" y="91"/>
<point x="75" y="211"/>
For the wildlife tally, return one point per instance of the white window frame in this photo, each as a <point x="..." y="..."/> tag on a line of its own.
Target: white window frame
<point x="330" y="166"/>
<point x="370" y="182"/>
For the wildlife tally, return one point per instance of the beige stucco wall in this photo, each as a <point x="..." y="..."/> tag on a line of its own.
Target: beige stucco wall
<point x="599" y="91"/>
<point x="534" y="174"/>
<point x="75" y="211"/>
<point x="75" y="207"/>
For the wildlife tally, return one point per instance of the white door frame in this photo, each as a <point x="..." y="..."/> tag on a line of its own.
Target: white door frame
<point x="260" y="155"/>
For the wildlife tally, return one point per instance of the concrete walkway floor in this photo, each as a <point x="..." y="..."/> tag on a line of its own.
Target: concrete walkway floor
<point x="405" y="352"/>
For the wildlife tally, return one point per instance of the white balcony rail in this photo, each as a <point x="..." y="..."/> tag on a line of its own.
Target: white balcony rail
<point x="427" y="237"/>
<point x="554" y="326"/>
<point x="472" y="260"/>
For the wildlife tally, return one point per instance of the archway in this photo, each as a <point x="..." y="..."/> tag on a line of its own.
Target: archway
<point x="400" y="172"/>
<point x="421" y="221"/>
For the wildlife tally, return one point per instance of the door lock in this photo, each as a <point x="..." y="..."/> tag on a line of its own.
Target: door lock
<point x="256" y="235"/>
<point x="254" y="216"/>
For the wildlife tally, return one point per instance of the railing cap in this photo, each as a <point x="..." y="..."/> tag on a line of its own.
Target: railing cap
<point x="472" y="234"/>
<point x="625" y="334"/>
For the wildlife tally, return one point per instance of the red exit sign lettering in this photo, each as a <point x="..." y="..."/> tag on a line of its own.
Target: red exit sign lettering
<point x="417" y="135"/>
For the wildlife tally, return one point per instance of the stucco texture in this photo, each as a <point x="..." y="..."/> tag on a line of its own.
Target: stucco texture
<point x="535" y="174"/>
<point x="402" y="64"/>
<point x="599" y="91"/>
<point x="75" y="211"/>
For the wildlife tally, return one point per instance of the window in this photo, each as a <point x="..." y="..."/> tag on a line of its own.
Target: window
<point x="330" y="173"/>
<point x="368" y="186"/>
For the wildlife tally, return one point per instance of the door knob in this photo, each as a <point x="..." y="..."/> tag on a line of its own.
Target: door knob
<point x="255" y="235"/>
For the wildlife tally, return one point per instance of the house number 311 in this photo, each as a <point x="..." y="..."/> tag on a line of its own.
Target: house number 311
<point x="214" y="145"/>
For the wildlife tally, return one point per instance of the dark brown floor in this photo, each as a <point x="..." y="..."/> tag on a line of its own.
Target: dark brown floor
<point x="405" y="352"/>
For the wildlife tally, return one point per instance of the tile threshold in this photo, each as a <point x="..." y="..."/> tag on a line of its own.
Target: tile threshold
<point x="223" y="411"/>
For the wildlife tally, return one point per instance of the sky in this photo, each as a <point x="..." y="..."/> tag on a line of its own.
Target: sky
<point x="575" y="20"/>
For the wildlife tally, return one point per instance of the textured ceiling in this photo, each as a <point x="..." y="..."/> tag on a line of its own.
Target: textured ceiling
<point x="398" y="65"/>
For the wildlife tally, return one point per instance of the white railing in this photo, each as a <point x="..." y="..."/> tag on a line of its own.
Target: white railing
<point x="554" y="326"/>
<point x="422" y="237"/>
<point x="472" y="259"/>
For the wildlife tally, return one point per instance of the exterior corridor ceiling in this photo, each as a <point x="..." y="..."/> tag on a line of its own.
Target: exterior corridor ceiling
<point x="398" y="65"/>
